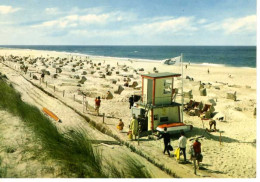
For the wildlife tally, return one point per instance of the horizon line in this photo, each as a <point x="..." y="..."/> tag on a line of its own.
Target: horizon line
<point x="110" y="45"/>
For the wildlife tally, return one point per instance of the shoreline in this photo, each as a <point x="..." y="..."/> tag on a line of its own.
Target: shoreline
<point x="127" y="58"/>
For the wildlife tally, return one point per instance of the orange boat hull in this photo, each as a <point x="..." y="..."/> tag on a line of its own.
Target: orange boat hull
<point x="174" y="127"/>
<point x="51" y="114"/>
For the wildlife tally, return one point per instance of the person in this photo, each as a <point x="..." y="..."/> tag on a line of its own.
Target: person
<point x="182" y="144"/>
<point x="86" y="105"/>
<point x="120" y="125"/>
<point x="212" y="123"/>
<point x="186" y="66"/>
<point x="25" y="69"/>
<point x="166" y="140"/>
<point x="42" y="77"/>
<point x="197" y="151"/>
<point x="134" y="127"/>
<point x="208" y="71"/>
<point x="131" y="101"/>
<point x="97" y="104"/>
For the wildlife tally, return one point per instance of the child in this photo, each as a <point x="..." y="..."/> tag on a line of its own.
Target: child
<point x="120" y="125"/>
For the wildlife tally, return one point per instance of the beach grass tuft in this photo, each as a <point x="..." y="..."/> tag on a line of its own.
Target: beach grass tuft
<point x="3" y="169"/>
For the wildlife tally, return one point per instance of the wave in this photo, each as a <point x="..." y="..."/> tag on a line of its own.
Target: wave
<point x="213" y="64"/>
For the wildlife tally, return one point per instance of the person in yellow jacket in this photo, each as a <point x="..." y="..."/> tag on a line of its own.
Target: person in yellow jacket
<point x="120" y="125"/>
<point x="134" y="127"/>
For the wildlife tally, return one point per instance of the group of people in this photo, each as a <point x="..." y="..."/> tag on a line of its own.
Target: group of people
<point x="182" y="142"/>
<point x="133" y="127"/>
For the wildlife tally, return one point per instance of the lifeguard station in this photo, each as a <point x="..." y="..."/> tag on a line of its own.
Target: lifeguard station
<point x="156" y="109"/>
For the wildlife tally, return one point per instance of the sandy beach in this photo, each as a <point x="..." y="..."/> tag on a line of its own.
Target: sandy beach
<point x="233" y="155"/>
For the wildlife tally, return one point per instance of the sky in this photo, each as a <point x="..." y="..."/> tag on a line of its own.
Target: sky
<point x="128" y="22"/>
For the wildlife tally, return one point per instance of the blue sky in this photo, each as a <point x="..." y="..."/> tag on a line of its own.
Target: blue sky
<point x="128" y="22"/>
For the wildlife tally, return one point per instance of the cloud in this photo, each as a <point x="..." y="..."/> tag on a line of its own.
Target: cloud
<point x="76" y="20"/>
<point x="177" y="26"/>
<point x="94" y="19"/>
<point x="202" y="21"/>
<point x="173" y="25"/>
<point x="52" y="11"/>
<point x="235" y="25"/>
<point x="100" y="33"/>
<point x="93" y="10"/>
<point x="8" y="9"/>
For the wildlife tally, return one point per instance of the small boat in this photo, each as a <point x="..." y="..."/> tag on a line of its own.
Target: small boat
<point x="168" y="62"/>
<point x="174" y="127"/>
<point x="171" y="61"/>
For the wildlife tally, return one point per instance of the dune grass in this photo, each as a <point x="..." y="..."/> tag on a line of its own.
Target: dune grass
<point x="3" y="169"/>
<point x="72" y="150"/>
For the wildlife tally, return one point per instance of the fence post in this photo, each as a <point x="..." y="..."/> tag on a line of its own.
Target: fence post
<point x="46" y="84"/>
<point x="40" y="81"/>
<point x="103" y="117"/>
<point x="74" y="97"/>
<point x="63" y="93"/>
<point x="54" y="88"/>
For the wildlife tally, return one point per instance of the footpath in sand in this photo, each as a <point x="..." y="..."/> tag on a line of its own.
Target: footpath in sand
<point x="227" y="159"/>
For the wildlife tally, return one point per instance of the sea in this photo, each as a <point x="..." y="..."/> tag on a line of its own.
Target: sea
<point x="234" y="56"/>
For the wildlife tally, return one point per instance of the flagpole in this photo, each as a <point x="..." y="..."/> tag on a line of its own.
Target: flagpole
<point x="182" y="87"/>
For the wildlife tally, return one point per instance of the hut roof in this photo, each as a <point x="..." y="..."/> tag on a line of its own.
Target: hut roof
<point x="161" y="75"/>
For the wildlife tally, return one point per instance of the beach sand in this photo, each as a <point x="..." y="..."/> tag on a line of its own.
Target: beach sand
<point x="233" y="155"/>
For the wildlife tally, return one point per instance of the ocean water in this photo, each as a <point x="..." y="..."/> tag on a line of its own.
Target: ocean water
<point x="235" y="56"/>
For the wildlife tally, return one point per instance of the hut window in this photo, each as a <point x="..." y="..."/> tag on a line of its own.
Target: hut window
<point x="167" y="86"/>
<point x="163" y="119"/>
<point x="155" y="117"/>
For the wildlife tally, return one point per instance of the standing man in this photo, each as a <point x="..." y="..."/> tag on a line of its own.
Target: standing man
<point x="197" y="151"/>
<point x="97" y="103"/>
<point x="166" y="140"/>
<point x="182" y="144"/>
<point x="131" y="101"/>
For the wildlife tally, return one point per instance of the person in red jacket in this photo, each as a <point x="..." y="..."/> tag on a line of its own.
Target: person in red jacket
<point x="197" y="151"/>
<point x="97" y="104"/>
